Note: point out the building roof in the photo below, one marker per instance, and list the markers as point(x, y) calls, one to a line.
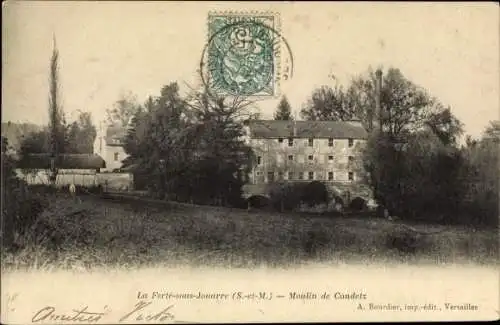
point(66, 161)
point(115, 134)
point(307, 129)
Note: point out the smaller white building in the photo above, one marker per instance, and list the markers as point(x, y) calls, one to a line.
point(109, 145)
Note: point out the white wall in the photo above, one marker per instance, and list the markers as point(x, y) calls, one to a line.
point(109, 156)
point(64, 177)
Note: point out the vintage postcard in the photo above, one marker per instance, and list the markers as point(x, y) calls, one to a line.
point(224, 162)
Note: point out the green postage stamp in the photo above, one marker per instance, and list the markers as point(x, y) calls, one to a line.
point(243, 54)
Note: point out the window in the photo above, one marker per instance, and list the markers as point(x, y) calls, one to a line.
point(116, 156)
point(280, 175)
point(259, 160)
point(270, 176)
point(351, 142)
point(330, 176)
point(259, 173)
point(311, 175)
point(280, 140)
point(290, 175)
point(350, 159)
point(351, 176)
point(330, 158)
point(310, 157)
point(330, 142)
point(290, 142)
point(310, 142)
point(290, 157)
point(301, 175)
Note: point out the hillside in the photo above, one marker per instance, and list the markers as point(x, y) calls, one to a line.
point(94, 232)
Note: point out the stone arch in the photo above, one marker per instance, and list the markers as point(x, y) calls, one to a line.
point(258, 201)
point(358, 204)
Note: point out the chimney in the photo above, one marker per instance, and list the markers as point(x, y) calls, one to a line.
point(294, 128)
point(378, 89)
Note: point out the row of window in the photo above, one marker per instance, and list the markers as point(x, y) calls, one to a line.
point(291, 176)
point(310, 158)
point(310, 142)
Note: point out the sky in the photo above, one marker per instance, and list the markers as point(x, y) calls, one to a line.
point(110, 48)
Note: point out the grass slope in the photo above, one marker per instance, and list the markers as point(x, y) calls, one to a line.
point(99, 233)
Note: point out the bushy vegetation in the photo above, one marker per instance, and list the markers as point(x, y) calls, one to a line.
point(288, 196)
point(433, 181)
point(190, 149)
point(20, 207)
point(413, 160)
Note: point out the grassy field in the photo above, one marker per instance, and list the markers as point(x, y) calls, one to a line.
point(98, 233)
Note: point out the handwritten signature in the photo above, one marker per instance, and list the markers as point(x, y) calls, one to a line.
point(139, 315)
point(141, 312)
point(78, 315)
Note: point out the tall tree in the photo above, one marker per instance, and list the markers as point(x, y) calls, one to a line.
point(223, 158)
point(57, 121)
point(154, 136)
point(191, 148)
point(284, 110)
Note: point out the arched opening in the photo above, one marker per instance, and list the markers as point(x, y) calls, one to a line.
point(358, 204)
point(258, 202)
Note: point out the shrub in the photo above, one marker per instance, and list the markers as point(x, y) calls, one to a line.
point(20, 208)
point(407, 242)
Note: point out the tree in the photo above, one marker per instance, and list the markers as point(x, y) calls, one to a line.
point(328, 104)
point(57, 123)
point(221, 153)
point(81, 134)
point(190, 148)
point(405, 107)
point(492, 131)
point(36, 142)
point(123, 109)
point(412, 158)
point(479, 175)
point(446, 126)
point(284, 110)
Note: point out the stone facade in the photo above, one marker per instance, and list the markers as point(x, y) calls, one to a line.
point(306, 151)
point(300, 151)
